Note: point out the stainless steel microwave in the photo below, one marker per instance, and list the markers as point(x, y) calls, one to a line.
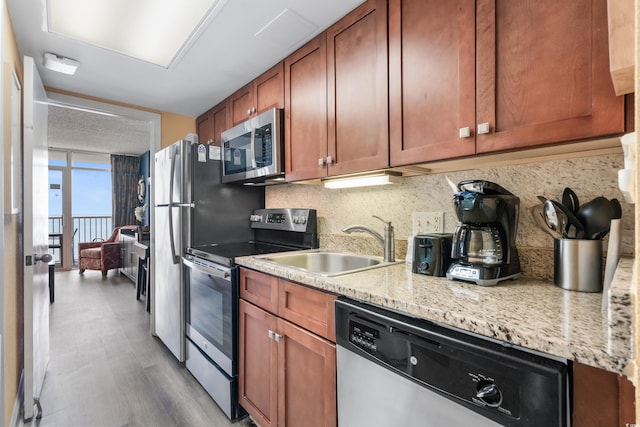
point(253, 151)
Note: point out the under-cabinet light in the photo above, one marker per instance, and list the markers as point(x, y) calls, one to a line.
point(384, 178)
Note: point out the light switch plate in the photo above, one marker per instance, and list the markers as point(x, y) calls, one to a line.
point(428, 222)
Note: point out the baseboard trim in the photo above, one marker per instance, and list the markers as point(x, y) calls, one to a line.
point(16, 416)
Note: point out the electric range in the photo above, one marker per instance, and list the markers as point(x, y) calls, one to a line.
point(212, 287)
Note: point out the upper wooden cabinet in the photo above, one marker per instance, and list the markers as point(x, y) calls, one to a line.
point(621, 45)
point(536, 73)
point(204, 128)
point(543, 73)
point(265, 92)
point(336, 98)
point(211, 124)
point(357, 90)
point(431, 79)
point(305, 111)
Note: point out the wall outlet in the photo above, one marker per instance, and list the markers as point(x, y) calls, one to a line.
point(428, 222)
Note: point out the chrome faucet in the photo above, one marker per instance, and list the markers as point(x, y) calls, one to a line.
point(387, 242)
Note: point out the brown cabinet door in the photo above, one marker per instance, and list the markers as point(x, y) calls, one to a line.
point(306, 378)
point(306, 307)
point(358, 126)
point(241, 104)
point(219, 122)
point(258, 364)
point(260, 289)
point(305, 88)
point(601, 398)
point(269, 89)
point(431, 79)
point(543, 73)
point(204, 128)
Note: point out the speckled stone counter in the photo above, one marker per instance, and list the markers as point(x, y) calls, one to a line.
point(533, 314)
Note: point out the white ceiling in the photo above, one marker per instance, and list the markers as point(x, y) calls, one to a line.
point(228, 53)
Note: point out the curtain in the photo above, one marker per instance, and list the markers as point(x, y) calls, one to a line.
point(124, 180)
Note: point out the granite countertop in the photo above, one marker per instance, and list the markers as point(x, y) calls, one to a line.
point(533, 314)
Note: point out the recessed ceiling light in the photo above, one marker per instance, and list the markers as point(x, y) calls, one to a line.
point(150, 30)
point(60, 63)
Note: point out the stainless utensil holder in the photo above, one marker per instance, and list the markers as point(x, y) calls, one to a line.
point(577, 264)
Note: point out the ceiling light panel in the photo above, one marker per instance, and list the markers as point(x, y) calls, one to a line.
point(151, 30)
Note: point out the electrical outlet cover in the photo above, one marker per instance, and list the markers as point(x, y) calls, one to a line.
point(428, 222)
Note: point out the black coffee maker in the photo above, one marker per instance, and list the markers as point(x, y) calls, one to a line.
point(484, 245)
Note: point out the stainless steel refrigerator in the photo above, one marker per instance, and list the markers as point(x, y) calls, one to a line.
point(192, 208)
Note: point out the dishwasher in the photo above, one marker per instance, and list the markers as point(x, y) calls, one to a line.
point(397, 370)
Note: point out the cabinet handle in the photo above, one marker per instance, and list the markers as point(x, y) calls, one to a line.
point(320, 162)
point(253, 110)
point(329, 160)
point(249, 112)
point(277, 337)
point(465, 132)
point(483, 128)
point(271, 334)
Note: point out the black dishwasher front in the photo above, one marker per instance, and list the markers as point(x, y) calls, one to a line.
point(396, 369)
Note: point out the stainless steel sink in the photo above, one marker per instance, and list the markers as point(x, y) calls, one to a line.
point(327, 263)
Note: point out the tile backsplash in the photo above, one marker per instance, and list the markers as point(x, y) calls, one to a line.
point(589, 177)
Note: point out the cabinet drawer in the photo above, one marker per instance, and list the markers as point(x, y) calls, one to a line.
point(308, 308)
point(260, 289)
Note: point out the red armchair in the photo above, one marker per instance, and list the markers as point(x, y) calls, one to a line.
point(102, 255)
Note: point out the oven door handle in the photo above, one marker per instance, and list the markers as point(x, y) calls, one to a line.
point(207, 270)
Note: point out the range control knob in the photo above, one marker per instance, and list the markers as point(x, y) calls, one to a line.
point(489, 393)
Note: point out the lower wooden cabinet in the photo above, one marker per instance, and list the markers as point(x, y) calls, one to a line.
point(601, 398)
point(287, 374)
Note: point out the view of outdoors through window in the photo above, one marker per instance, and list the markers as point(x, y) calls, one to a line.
point(88, 206)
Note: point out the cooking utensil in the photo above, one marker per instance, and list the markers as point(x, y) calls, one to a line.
point(537, 212)
point(572, 227)
point(596, 217)
point(570, 200)
point(556, 222)
point(542, 199)
point(616, 208)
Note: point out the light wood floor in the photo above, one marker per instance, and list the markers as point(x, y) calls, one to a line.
point(107, 370)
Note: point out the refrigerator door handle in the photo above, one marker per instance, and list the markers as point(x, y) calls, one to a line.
point(176, 259)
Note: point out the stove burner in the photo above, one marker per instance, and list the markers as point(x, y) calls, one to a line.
point(225, 253)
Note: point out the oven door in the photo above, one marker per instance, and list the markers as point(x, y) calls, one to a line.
point(212, 310)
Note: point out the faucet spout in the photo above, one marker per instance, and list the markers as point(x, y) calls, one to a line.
point(363, 229)
point(387, 241)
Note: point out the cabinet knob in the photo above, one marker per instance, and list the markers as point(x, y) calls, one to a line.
point(277, 337)
point(271, 334)
point(321, 162)
point(465, 132)
point(253, 110)
point(249, 112)
point(483, 128)
point(329, 160)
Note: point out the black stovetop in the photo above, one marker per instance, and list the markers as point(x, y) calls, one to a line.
point(225, 253)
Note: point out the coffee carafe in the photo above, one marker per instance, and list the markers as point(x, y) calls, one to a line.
point(484, 245)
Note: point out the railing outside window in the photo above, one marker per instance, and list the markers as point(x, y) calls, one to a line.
point(85, 229)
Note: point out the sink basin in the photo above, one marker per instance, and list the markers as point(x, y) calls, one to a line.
point(327, 263)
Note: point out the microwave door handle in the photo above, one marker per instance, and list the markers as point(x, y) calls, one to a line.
point(212, 271)
point(254, 165)
point(175, 259)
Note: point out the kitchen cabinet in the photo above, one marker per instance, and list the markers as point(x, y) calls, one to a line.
point(601, 398)
point(541, 77)
point(305, 112)
point(431, 79)
point(211, 124)
point(357, 90)
point(287, 372)
point(265, 92)
point(621, 45)
point(336, 112)
point(204, 128)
